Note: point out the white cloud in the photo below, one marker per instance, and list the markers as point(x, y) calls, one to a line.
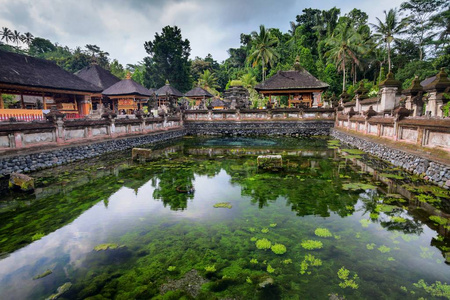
point(122, 27)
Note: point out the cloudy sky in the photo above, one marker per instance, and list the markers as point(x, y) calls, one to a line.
point(121, 27)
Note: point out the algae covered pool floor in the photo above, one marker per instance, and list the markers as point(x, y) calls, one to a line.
point(115, 229)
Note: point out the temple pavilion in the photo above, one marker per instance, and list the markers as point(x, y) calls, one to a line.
point(167, 94)
point(24, 75)
point(99, 77)
point(198, 94)
point(301, 88)
point(127, 95)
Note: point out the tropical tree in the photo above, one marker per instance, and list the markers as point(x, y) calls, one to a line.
point(7, 35)
point(420, 21)
point(346, 46)
point(263, 49)
point(16, 37)
point(389, 30)
point(208, 80)
point(27, 38)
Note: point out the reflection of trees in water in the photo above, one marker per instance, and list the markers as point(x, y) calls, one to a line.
point(166, 185)
point(311, 188)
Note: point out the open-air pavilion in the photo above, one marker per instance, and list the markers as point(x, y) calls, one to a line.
point(127, 95)
point(301, 88)
point(24, 75)
point(198, 94)
point(167, 94)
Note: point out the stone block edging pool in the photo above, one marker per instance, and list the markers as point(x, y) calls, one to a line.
point(436, 172)
point(51, 158)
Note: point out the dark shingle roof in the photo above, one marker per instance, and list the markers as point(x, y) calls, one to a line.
point(97, 76)
point(168, 90)
point(287, 80)
point(217, 103)
point(25, 70)
point(198, 92)
point(427, 81)
point(127, 87)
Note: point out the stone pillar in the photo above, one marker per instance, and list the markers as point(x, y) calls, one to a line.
point(435, 90)
point(388, 89)
point(60, 134)
point(434, 104)
point(18, 140)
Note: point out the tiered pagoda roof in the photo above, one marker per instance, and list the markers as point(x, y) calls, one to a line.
point(168, 90)
point(127, 87)
point(198, 92)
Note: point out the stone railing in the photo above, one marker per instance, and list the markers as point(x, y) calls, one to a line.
point(422, 131)
point(259, 114)
point(57, 131)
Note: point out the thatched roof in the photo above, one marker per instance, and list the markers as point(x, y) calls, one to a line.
point(18, 69)
point(369, 101)
point(168, 90)
point(198, 92)
point(127, 87)
point(291, 80)
point(97, 76)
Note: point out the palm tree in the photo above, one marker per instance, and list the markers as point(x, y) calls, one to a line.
point(7, 35)
point(208, 80)
point(27, 38)
point(389, 29)
point(248, 80)
point(16, 37)
point(346, 46)
point(263, 49)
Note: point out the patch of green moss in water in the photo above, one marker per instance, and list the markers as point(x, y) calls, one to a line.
point(167, 234)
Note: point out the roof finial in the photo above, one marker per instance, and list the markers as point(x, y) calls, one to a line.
point(128, 75)
point(297, 66)
point(167, 82)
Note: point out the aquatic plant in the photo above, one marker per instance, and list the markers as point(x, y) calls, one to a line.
point(344, 274)
point(393, 176)
point(171, 268)
point(273, 225)
point(309, 261)
point(385, 208)
point(398, 219)
point(384, 249)
point(374, 215)
point(279, 249)
point(365, 223)
point(439, 220)
point(265, 230)
point(426, 253)
point(270, 269)
point(311, 244)
point(356, 186)
point(390, 258)
point(210, 269)
point(37, 236)
point(263, 244)
point(101, 247)
point(252, 229)
point(253, 239)
point(253, 261)
point(42, 275)
point(287, 261)
point(337, 237)
point(323, 232)
point(223, 205)
point(436, 289)
point(427, 199)
point(358, 235)
point(370, 246)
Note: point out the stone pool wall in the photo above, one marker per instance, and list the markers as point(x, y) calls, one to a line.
point(47, 159)
point(433, 171)
point(303, 128)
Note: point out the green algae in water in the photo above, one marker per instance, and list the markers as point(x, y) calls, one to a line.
point(263, 244)
point(353, 151)
point(438, 220)
point(322, 232)
point(223, 205)
point(393, 176)
point(44, 274)
point(312, 244)
point(102, 247)
point(384, 249)
point(344, 275)
point(437, 289)
point(356, 186)
point(278, 249)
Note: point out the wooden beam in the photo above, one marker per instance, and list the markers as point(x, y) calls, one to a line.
point(22, 102)
point(2, 104)
point(24, 89)
point(282, 92)
point(44, 103)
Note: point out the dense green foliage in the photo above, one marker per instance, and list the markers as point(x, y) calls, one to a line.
point(338, 48)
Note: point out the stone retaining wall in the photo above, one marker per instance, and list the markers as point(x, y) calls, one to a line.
point(433, 171)
point(303, 128)
point(48, 159)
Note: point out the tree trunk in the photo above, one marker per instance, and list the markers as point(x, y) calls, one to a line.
point(389, 56)
point(343, 79)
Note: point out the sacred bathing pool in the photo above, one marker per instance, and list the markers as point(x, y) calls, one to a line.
point(323, 198)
